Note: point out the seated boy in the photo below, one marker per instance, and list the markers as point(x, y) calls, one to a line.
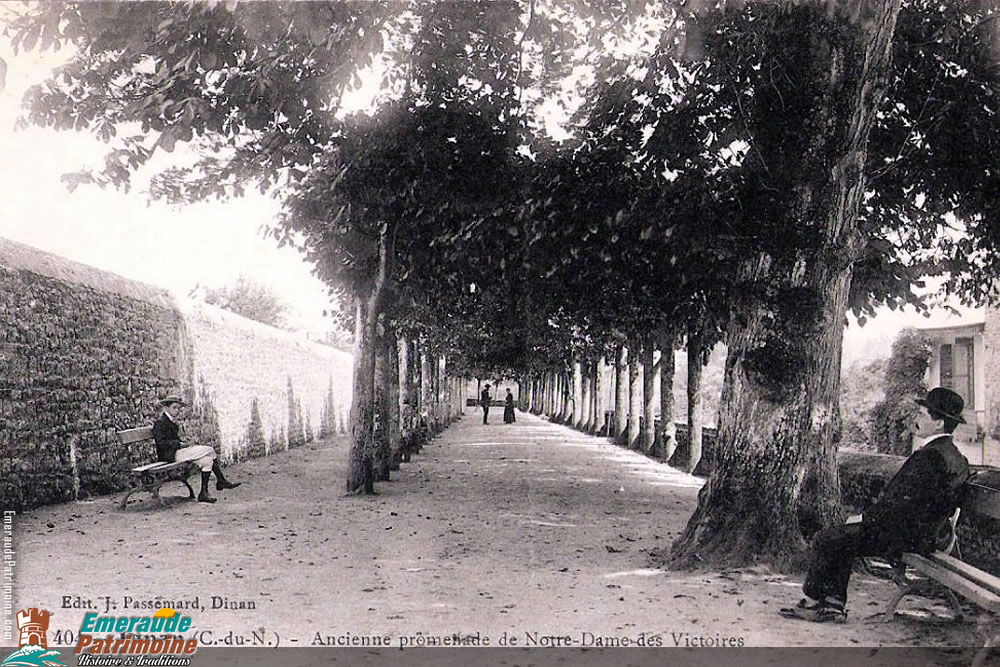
point(172, 449)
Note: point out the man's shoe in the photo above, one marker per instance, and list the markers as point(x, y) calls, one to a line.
point(224, 484)
point(205, 498)
point(817, 612)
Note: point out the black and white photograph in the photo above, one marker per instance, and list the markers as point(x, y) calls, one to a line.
point(497, 332)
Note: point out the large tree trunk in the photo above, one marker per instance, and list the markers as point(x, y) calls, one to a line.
point(621, 396)
point(667, 435)
point(650, 378)
point(780, 418)
point(695, 418)
point(634, 395)
point(586, 399)
point(360, 471)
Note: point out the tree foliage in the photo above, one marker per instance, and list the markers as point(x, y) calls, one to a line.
point(251, 300)
point(695, 194)
point(892, 418)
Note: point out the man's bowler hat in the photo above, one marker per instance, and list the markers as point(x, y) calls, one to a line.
point(172, 399)
point(943, 401)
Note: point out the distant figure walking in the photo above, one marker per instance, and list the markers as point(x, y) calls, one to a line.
point(171, 448)
point(484, 400)
point(508, 408)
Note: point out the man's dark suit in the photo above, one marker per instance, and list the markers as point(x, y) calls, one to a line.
point(484, 400)
point(920, 496)
point(166, 434)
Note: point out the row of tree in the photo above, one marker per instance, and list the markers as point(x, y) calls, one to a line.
point(742, 172)
point(636, 419)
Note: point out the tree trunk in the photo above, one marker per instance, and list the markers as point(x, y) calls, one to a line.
point(406, 405)
point(444, 396)
point(426, 389)
point(695, 418)
point(395, 398)
point(650, 379)
point(576, 409)
point(780, 416)
point(586, 402)
point(599, 396)
point(386, 384)
point(668, 429)
point(569, 398)
point(558, 409)
point(361, 475)
point(360, 471)
point(634, 394)
point(621, 396)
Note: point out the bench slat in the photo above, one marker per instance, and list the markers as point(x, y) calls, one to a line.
point(956, 582)
point(135, 435)
point(984, 579)
point(158, 466)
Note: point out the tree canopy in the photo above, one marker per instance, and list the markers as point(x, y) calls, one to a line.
point(251, 300)
point(718, 178)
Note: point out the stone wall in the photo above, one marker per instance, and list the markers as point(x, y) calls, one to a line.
point(238, 363)
point(84, 353)
point(991, 373)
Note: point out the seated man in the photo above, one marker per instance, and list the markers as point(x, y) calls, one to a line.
point(172, 449)
point(905, 518)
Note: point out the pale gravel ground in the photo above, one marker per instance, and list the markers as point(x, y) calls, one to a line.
point(528, 528)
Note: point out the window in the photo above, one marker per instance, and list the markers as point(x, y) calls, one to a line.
point(957, 364)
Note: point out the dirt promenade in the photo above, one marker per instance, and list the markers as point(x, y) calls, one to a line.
point(530, 530)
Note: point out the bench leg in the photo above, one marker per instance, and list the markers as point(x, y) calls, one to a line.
point(956, 606)
point(156, 494)
point(890, 609)
point(918, 587)
point(191, 494)
point(125, 499)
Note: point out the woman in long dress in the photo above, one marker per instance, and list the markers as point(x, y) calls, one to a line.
point(508, 408)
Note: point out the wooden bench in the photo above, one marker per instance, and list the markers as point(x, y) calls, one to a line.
point(152, 476)
point(941, 568)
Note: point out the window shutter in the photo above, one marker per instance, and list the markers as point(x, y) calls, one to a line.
point(947, 367)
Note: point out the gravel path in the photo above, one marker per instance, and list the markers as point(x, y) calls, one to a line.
point(531, 531)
